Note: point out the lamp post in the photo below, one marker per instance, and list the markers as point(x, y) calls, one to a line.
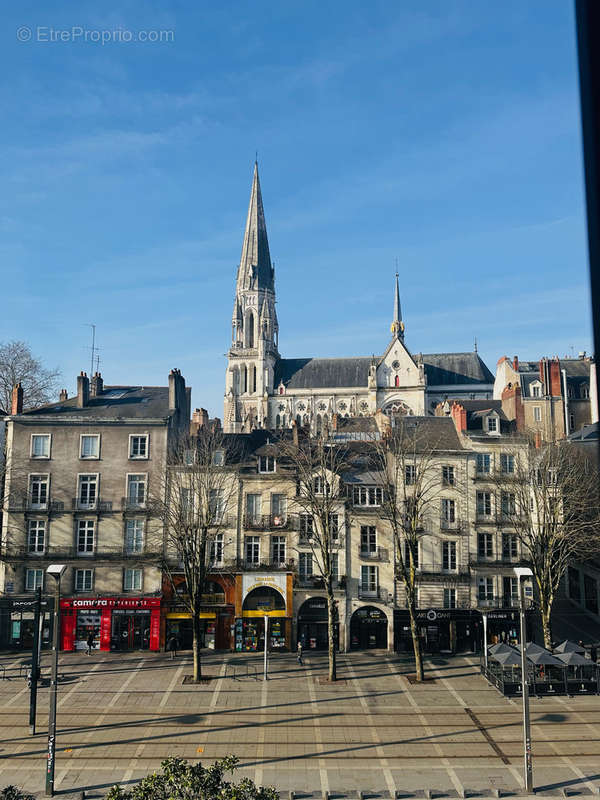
point(525, 572)
point(57, 571)
point(265, 674)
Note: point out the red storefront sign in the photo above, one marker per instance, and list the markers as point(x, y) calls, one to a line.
point(80, 615)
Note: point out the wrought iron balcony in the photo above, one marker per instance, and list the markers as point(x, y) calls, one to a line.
point(375, 554)
point(270, 522)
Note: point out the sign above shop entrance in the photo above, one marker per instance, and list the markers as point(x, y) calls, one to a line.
point(275, 581)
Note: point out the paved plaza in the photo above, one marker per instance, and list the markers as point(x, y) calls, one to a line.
point(119, 715)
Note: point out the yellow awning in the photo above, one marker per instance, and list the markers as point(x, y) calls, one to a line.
point(277, 613)
point(201, 615)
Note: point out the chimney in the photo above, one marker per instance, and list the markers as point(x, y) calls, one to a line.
point(295, 432)
point(334, 422)
point(459, 416)
point(17, 399)
point(64, 395)
point(178, 396)
point(200, 417)
point(83, 390)
point(538, 440)
point(516, 363)
point(555, 381)
point(97, 385)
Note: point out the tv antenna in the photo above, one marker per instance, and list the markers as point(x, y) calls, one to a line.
point(93, 348)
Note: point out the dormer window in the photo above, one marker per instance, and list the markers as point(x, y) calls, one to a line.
point(266, 463)
point(536, 389)
point(218, 458)
point(585, 391)
point(492, 425)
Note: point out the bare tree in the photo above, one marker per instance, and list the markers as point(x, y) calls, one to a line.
point(410, 461)
point(549, 497)
point(191, 502)
point(19, 365)
point(321, 495)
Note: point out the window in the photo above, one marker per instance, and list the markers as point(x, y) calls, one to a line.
point(266, 464)
point(574, 584)
point(367, 495)
point(484, 504)
point(369, 579)
point(410, 474)
point(84, 580)
point(253, 507)
point(507, 463)
point(278, 549)
point(253, 549)
point(89, 446)
point(508, 505)
point(334, 527)
point(320, 486)
point(136, 490)
point(335, 570)
point(415, 554)
point(40, 445)
point(536, 390)
point(88, 491)
point(38, 491)
point(218, 458)
point(216, 504)
point(36, 538)
point(485, 545)
point(138, 446)
point(448, 476)
point(537, 413)
point(216, 549)
point(134, 535)
point(278, 509)
point(34, 579)
point(492, 424)
point(305, 565)
point(485, 589)
point(449, 556)
point(448, 511)
point(483, 463)
point(449, 598)
point(368, 539)
point(85, 537)
point(509, 546)
point(585, 391)
point(571, 422)
point(189, 457)
point(306, 525)
point(132, 580)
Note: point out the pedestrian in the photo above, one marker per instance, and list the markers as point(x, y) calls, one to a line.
point(300, 653)
point(594, 653)
point(90, 643)
point(172, 645)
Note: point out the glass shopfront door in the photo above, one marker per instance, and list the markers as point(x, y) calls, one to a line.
point(130, 631)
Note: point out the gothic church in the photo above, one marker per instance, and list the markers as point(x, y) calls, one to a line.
point(264, 390)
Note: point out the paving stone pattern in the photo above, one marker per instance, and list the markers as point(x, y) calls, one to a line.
point(119, 715)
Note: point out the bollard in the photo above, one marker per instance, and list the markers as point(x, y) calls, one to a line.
point(325, 795)
point(565, 792)
point(292, 795)
point(428, 794)
point(461, 791)
point(497, 792)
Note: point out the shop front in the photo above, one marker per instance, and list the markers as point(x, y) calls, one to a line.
point(503, 626)
point(368, 629)
point(117, 623)
point(216, 615)
point(313, 629)
point(257, 597)
point(441, 630)
point(17, 622)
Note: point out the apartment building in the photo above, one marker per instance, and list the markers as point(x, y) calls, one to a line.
point(78, 474)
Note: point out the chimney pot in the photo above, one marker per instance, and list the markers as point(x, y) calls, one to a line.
point(17, 399)
point(97, 385)
point(64, 395)
point(83, 390)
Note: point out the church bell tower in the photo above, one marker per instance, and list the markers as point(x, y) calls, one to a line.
point(254, 329)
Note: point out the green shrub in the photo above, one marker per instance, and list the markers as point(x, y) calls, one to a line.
point(14, 793)
point(180, 780)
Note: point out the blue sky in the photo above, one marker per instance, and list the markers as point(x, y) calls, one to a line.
point(444, 134)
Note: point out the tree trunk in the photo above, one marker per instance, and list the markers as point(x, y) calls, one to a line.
point(331, 620)
point(545, 609)
point(196, 647)
point(414, 631)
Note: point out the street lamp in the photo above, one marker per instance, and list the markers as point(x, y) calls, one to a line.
point(525, 572)
point(57, 571)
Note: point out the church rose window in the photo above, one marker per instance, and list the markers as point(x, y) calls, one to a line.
point(342, 406)
point(322, 407)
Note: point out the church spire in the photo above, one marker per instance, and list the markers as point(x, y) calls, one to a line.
point(256, 271)
point(397, 326)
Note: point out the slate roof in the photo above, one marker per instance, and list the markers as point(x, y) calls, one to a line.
point(437, 433)
point(588, 434)
point(455, 369)
point(322, 373)
point(115, 402)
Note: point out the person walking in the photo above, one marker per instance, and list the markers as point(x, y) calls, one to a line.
point(594, 653)
point(172, 645)
point(300, 653)
point(90, 643)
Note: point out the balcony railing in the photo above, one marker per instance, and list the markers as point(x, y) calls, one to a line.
point(450, 524)
point(270, 522)
point(376, 554)
point(310, 582)
point(70, 553)
point(509, 601)
point(131, 504)
point(379, 593)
